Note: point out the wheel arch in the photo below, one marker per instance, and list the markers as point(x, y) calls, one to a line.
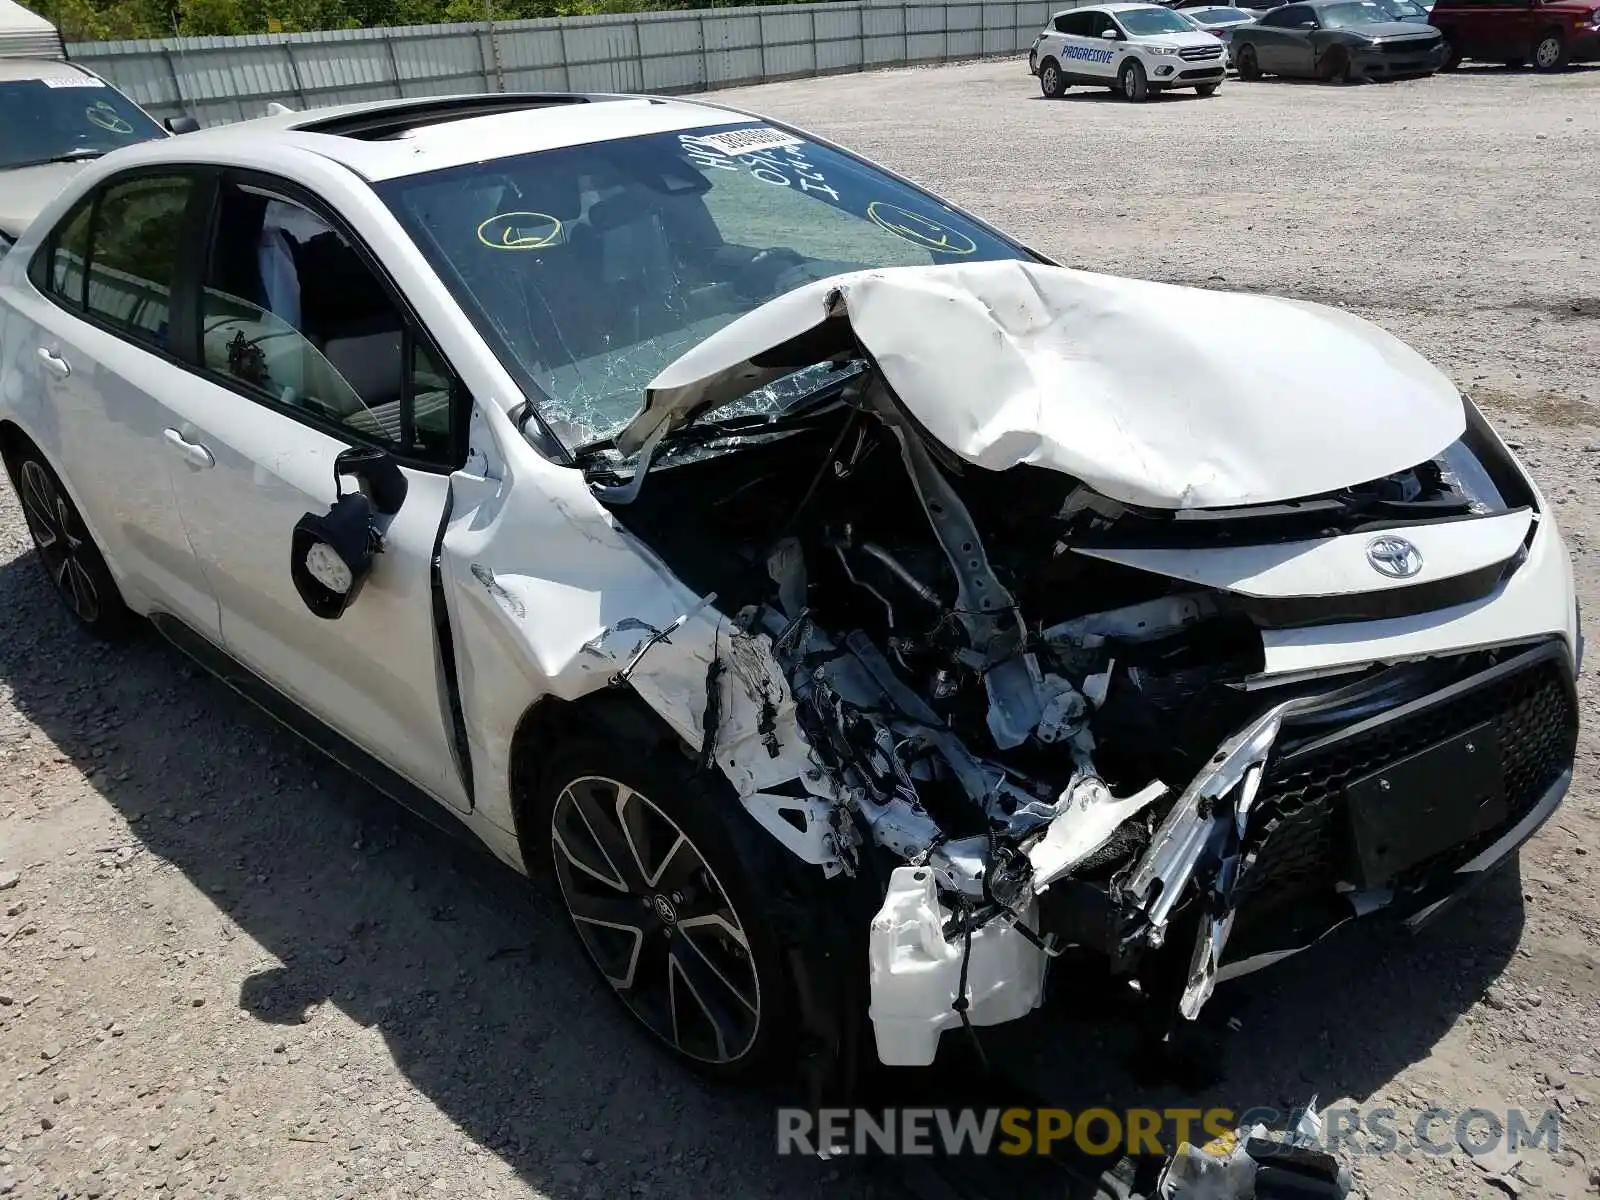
point(550, 723)
point(14, 440)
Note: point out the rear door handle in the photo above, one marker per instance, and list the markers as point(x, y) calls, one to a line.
point(193, 453)
point(54, 363)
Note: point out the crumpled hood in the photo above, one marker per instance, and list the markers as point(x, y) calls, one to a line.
point(26, 190)
point(1152, 394)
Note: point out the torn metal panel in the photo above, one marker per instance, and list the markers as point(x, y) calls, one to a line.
point(1252, 399)
point(1089, 816)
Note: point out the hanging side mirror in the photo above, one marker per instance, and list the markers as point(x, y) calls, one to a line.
point(331, 554)
point(182, 125)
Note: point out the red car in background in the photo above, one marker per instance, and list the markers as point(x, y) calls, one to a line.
point(1548, 34)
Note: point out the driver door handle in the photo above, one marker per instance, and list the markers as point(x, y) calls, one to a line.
point(54, 363)
point(193, 453)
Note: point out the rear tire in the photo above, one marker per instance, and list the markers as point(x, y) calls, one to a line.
point(649, 859)
point(71, 560)
point(1132, 82)
point(1249, 67)
point(1052, 79)
point(1550, 51)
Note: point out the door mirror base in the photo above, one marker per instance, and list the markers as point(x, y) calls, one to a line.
point(330, 554)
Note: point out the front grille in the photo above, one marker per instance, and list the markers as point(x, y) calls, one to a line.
point(1200, 53)
point(1410, 46)
point(1210, 73)
point(1301, 844)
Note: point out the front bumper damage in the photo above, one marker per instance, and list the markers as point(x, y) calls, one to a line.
point(1257, 829)
point(883, 709)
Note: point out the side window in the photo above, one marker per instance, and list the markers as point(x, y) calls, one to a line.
point(133, 255)
point(292, 313)
point(1059, 24)
point(1077, 24)
point(58, 267)
point(1284, 18)
point(1098, 23)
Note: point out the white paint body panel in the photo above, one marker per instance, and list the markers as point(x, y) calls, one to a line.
point(1333, 566)
point(1536, 601)
point(1155, 395)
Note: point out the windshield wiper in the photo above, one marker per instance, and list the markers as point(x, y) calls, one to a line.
point(82, 154)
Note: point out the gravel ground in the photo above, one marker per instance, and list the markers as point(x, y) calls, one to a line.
point(227, 969)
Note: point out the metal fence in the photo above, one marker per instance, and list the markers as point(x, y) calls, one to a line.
point(219, 79)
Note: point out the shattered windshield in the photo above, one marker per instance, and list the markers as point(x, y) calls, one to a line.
point(590, 268)
point(67, 117)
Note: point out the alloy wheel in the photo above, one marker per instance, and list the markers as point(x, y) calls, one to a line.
point(60, 545)
point(1547, 53)
point(656, 921)
point(1051, 80)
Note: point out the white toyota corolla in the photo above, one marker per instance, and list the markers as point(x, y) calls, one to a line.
point(847, 607)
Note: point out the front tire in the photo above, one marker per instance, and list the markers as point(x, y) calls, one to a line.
point(1550, 51)
point(1249, 66)
point(1052, 80)
point(1452, 54)
point(1206, 90)
point(1132, 82)
point(71, 560)
point(648, 864)
point(1336, 66)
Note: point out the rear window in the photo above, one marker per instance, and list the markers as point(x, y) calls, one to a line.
point(60, 120)
point(1223, 16)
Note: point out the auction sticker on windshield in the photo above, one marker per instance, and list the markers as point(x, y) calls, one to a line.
point(74, 81)
point(734, 142)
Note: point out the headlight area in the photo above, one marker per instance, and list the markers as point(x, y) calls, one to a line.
point(1487, 470)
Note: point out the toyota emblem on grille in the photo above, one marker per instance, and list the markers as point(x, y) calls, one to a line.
point(1394, 557)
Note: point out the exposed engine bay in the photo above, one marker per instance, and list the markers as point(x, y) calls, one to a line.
point(1036, 712)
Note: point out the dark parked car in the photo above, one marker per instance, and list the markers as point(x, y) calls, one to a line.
point(1336, 40)
point(1548, 34)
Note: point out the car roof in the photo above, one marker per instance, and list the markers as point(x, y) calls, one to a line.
point(393, 139)
point(21, 70)
point(1107, 8)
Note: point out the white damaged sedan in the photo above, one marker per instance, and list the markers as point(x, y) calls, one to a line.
point(846, 608)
